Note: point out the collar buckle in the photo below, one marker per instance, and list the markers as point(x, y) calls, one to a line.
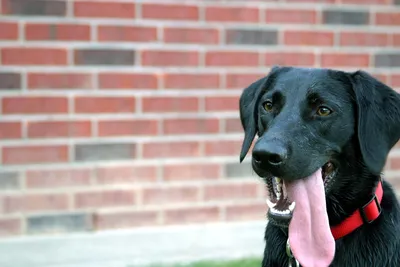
point(364, 214)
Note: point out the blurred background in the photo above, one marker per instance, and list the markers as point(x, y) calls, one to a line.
point(123, 115)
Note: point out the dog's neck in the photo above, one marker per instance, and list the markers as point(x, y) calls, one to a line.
point(363, 215)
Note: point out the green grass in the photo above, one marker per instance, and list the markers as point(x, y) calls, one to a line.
point(235, 263)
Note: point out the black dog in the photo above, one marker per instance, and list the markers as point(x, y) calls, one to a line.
point(326, 134)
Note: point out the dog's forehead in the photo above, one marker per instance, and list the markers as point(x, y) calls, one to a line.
point(304, 82)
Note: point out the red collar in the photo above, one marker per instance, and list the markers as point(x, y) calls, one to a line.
point(365, 215)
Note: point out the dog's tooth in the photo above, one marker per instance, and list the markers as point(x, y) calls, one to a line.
point(281, 212)
point(276, 211)
point(270, 204)
point(292, 206)
point(278, 182)
point(278, 186)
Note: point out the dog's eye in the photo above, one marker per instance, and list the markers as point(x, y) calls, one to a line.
point(323, 111)
point(268, 105)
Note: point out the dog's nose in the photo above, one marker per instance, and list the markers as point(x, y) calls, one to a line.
point(272, 153)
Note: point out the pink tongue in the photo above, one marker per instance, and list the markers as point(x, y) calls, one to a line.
point(310, 236)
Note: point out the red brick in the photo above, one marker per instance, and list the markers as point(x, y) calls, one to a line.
point(231, 191)
point(32, 203)
point(104, 104)
point(109, 80)
point(298, 16)
point(127, 127)
point(170, 104)
point(230, 14)
point(381, 77)
point(34, 105)
point(109, 198)
point(104, 9)
point(366, 2)
point(221, 103)
point(396, 39)
point(191, 172)
point(126, 174)
point(314, 38)
point(59, 81)
point(171, 149)
point(33, 56)
point(246, 212)
point(395, 163)
point(170, 11)
point(311, 1)
point(191, 35)
point(118, 220)
point(58, 178)
point(170, 195)
point(10, 226)
point(387, 18)
point(191, 215)
point(127, 33)
point(9, 31)
point(191, 126)
point(288, 58)
point(222, 148)
point(10, 130)
point(387, 166)
point(232, 59)
point(191, 81)
point(59, 32)
point(48, 129)
point(239, 80)
point(395, 80)
point(170, 58)
point(35, 154)
point(364, 39)
point(344, 60)
point(233, 126)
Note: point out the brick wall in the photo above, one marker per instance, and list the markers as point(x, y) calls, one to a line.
point(122, 114)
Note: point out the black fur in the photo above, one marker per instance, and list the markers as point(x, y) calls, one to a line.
point(357, 137)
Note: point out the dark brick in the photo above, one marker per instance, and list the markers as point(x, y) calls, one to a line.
point(59, 223)
point(104, 57)
point(237, 170)
point(104, 151)
point(345, 17)
point(9, 180)
point(34, 7)
point(10, 80)
point(387, 60)
point(257, 37)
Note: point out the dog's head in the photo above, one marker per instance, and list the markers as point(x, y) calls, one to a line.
point(334, 125)
point(303, 117)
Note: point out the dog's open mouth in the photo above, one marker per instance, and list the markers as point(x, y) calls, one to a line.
point(281, 206)
point(300, 207)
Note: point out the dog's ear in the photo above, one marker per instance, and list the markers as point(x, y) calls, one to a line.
point(248, 111)
point(378, 108)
